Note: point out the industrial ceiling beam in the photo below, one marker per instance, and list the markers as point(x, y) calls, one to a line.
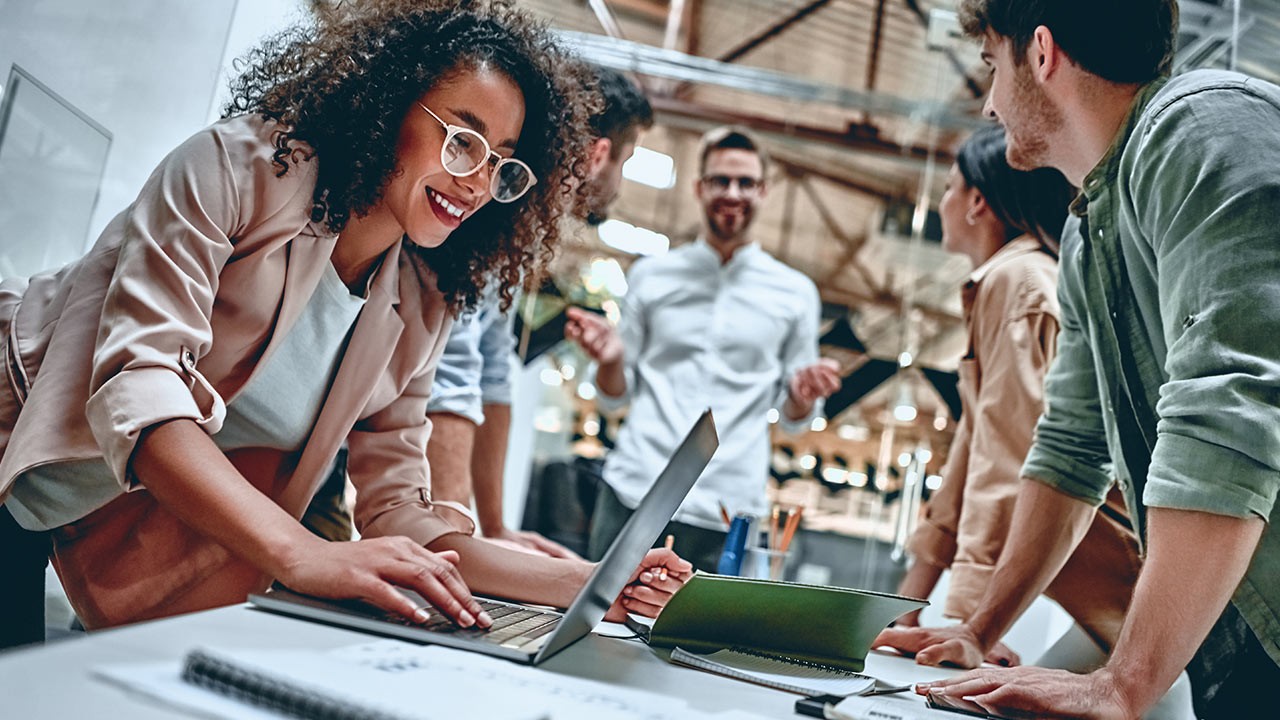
point(648, 60)
point(840, 295)
point(675, 17)
point(649, 10)
point(692, 26)
point(873, 55)
point(852, 245)
point(859, 138)
point(971, 84)
point(607, 21)
point(773, 30)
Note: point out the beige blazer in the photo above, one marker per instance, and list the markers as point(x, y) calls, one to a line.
point(1011, 313)
point(169, 315)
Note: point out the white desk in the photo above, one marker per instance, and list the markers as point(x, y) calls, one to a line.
point(55, 681)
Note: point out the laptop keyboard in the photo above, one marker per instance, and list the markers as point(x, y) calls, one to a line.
point(512, 625)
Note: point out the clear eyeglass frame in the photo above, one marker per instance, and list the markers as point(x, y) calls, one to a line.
point(509, 178)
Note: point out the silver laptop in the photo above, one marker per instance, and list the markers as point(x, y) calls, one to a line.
point(524, 633)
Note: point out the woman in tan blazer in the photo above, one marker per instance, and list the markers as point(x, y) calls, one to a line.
point(285, 282)
point(1008, 223)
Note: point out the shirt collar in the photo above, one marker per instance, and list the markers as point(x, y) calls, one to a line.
point(1013, 248)
point(1108, 168)
point(741, 256)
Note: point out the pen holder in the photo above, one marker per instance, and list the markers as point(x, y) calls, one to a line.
point(765, 564)
point(735, 544)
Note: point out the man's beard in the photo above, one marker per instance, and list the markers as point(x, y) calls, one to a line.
point(595, 206)
point(1037, 119)
point(732, 230)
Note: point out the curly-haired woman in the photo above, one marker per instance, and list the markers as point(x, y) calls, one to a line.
point(285, 282)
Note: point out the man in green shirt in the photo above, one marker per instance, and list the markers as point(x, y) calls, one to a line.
point(1168, 370)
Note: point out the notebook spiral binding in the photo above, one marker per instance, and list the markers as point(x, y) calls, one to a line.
point(799, 661)
point(255, 688)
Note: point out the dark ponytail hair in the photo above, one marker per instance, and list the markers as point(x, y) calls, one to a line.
point(1028, 203)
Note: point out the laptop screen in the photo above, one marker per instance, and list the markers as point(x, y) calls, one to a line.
point(637, 536)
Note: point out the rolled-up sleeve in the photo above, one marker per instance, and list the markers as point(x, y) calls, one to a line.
point(387, 463)
point(456, 388)
point(934, 540)
point(798, 352)
point(497, 345)
point(1070, 450)
point(156, 316)
point(1216, 239)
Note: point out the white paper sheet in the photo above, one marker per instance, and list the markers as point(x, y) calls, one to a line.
point(430, 682)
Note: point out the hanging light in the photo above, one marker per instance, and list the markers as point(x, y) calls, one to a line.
point(904, 410)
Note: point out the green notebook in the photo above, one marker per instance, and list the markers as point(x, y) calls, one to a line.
point(826, 626)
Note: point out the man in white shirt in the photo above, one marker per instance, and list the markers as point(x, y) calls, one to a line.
point(716, 323)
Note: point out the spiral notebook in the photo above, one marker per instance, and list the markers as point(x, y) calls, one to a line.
point(790, 674)
point(282, 692)
point(388, 680)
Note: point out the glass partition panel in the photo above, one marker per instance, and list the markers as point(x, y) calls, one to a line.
point(51, 161)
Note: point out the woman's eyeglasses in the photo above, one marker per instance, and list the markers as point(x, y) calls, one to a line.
point(465, 151)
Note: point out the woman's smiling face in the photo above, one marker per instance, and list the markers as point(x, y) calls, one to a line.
point(424, 198)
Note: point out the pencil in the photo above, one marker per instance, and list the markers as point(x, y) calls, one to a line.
point(669, 543)
point(724, 515)
point(793, 523)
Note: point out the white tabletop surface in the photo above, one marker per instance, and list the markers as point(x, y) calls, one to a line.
point(55, 681)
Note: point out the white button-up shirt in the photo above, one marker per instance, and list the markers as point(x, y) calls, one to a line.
point(702, 334)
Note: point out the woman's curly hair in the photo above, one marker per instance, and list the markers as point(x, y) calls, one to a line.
point(342, 87)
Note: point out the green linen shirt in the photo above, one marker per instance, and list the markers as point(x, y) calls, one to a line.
point(1167, 377)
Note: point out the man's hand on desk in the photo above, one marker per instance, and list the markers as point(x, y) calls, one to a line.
point(955, 645)
point(1037, 692)
point(659, 576)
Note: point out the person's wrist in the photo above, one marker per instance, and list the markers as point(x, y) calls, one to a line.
point(982, 633)
point(1124, 688)
point(492, 528)
point(286, 556)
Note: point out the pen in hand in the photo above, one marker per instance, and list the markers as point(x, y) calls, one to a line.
point(668, 544)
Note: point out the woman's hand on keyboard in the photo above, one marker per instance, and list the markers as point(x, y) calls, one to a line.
point(659, 576)
point(371, 569)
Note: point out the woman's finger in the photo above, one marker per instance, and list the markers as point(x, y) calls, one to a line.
point(644, 593)
point(385, 596)
point(442, 586)
point(653, 578)
point(640, 607)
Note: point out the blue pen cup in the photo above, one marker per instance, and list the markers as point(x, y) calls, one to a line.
point(735, 545)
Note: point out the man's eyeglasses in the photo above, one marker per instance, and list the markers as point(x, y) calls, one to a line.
point(720, 184)
point(465, 151)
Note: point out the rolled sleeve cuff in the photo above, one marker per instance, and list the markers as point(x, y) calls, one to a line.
point(134, 400)
point(969, 581)
point(1191, 474)
point(417, 521)
point(932, 545)
point(465, 402)
point(496, 394)
point(1072, 477)
point(612, 403)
